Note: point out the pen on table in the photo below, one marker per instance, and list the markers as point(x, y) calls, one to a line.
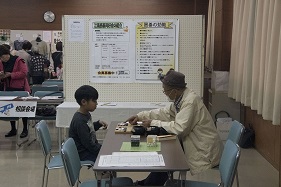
point(157, 104)
point(104, 104)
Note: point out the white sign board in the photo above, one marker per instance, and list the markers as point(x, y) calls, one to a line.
point(18, 108)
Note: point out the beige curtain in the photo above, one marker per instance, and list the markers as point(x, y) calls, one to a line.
point(255, 72)
point(210, 35)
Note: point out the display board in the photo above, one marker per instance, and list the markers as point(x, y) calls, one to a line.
point(50, 37)
point(77, 58)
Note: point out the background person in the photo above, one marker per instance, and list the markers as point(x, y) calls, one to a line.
point(38, 67)
point(187, 117)
point(23, 54)
point(59, 71)
point(13, 72)
point(57, 56)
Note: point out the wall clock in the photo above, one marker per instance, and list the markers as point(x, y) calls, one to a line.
point(49, 16)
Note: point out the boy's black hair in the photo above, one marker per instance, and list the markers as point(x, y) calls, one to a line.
point(86, 92)
point(4, 50)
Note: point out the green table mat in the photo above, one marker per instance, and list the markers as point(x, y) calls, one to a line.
point(126, 146)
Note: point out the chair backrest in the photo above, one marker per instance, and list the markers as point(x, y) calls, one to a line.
point(48, 93)
point(36, 88)
point(44, 137)
point(229, 162)
point(58, 83)
point(71, 161)
point(235, 131)
point(54, 80)
point(14, 93)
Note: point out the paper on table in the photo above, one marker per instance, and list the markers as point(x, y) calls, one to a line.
point(158, 104)
point(30, 98)
point(133, 153)
point(137, 161)
point(108, 104)
point(51, 97)
point(7, 98)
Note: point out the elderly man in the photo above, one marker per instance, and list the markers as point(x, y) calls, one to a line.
point(187, 117)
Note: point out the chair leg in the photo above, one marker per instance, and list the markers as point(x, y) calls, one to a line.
point(17, 140)
point(47, 177)
point(237, 180)
point(34, 140)
point(43, 178)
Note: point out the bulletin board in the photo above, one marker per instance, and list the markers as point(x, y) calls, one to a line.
point(77, 58)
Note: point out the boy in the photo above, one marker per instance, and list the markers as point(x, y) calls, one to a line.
point(82, 128)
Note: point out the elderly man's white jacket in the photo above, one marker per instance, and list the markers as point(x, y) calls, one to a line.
point(195, 128)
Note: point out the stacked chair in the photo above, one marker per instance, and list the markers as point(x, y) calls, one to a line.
point(228, 163)
point(58, 83)
point(227, 168)
point(36, 88)
point(52, 160)
point(69, 159)
point(234, 135)
point(72, 168)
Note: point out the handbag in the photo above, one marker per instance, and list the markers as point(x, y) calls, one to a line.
point(48, 110)
point(247, 139)
point(223, 124)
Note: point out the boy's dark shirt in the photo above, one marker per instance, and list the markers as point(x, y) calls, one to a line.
point(84, 137)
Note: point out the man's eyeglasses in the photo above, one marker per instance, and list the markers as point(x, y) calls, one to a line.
point(165, 91)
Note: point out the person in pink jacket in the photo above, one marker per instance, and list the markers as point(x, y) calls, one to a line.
point(13, 71)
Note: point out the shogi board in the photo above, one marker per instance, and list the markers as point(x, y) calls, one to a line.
point(123, 129)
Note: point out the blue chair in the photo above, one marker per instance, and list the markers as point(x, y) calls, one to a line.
point(50, 161)
point(235, 132)
point(39, 117)
point(36, 88)
point(51, 83)
point(14, 93)
point(18, 94)
point(227, 168)
point(48, 93)
point(234, 135)
point(53, 80)
point(72, 166)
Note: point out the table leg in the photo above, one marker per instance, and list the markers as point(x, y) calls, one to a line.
point(59, 132)
point(183, 175)
point(170, 180)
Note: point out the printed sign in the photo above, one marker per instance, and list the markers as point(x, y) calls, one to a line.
point(18, 108)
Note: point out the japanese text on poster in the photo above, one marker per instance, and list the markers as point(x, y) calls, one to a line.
point(132, 51)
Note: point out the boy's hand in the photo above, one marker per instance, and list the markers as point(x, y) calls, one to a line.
point(104, 124)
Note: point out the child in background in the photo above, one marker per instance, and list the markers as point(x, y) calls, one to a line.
point(82, 128)
point(59, 71)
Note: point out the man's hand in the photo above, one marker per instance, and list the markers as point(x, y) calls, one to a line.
point(2, 75)
point(133, 120)
point(104, 124)
point(146, 123)
point(7, 74)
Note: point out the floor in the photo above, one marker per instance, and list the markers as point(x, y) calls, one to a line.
point(23, 166)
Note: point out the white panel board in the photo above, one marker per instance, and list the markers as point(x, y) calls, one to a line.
point(191, 55)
